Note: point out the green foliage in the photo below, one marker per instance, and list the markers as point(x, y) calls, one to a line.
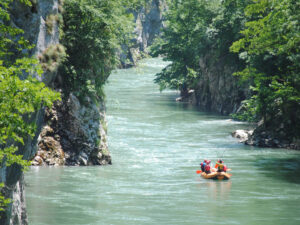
point(263, 37)
point(195, 28)
point(52, 57)
point(20, 93)
point(61, 6)
point(53, 19)
point(3, 201)
point(270, 47)
point(50, 20)
point(93, 32)
point(18, 100)
point(247, 112)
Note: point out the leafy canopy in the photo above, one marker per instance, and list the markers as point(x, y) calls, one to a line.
point(270, 46)
point(195, 28)
point(93, 33)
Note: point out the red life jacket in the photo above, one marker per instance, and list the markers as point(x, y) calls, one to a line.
point(207, 168)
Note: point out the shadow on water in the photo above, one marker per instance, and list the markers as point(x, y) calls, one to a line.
point(281, 168)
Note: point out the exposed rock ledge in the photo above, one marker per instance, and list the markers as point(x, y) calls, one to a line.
point(261, 138)
point(74, 134)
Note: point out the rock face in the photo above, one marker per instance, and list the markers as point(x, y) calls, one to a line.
point(32, 20)
point(217, 90)
point(75, 134)
point(267, 138)
point(149, 21)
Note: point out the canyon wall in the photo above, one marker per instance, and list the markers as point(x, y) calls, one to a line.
point(149, 21)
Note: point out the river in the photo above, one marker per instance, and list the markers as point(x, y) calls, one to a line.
point(156, 146)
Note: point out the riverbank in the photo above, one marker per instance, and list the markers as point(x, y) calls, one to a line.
point(262, 138)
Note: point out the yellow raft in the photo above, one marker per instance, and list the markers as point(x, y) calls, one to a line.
point(216, 175)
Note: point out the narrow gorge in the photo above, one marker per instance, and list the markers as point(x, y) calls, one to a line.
point(148, 88)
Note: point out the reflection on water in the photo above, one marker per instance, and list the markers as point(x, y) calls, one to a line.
point(217, 190)
point(156, 146)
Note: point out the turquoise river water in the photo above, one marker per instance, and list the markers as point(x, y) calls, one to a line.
point(156, 146)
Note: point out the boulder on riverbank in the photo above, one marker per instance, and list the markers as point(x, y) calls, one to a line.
point(242, 135)
point(263, 138)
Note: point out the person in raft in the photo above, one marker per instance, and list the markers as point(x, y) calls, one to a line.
point(220, 166)
point(203, 164)
point(207, 167)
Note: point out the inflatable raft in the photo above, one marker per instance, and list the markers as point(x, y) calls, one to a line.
point(216, 175)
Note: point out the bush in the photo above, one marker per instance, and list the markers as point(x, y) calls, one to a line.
point(52, 57)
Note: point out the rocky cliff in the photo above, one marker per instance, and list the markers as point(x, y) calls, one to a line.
point(74, 134)
point(148, 21)
point(33, 21)
point(217, 90)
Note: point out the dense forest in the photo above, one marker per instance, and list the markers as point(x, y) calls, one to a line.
point(260, 38)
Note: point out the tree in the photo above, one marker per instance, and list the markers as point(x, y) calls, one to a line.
point(270, 47)
point(20, 93)
point(195, 28)
point(93, 32)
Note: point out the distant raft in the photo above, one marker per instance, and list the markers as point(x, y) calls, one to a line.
point(216, 175)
